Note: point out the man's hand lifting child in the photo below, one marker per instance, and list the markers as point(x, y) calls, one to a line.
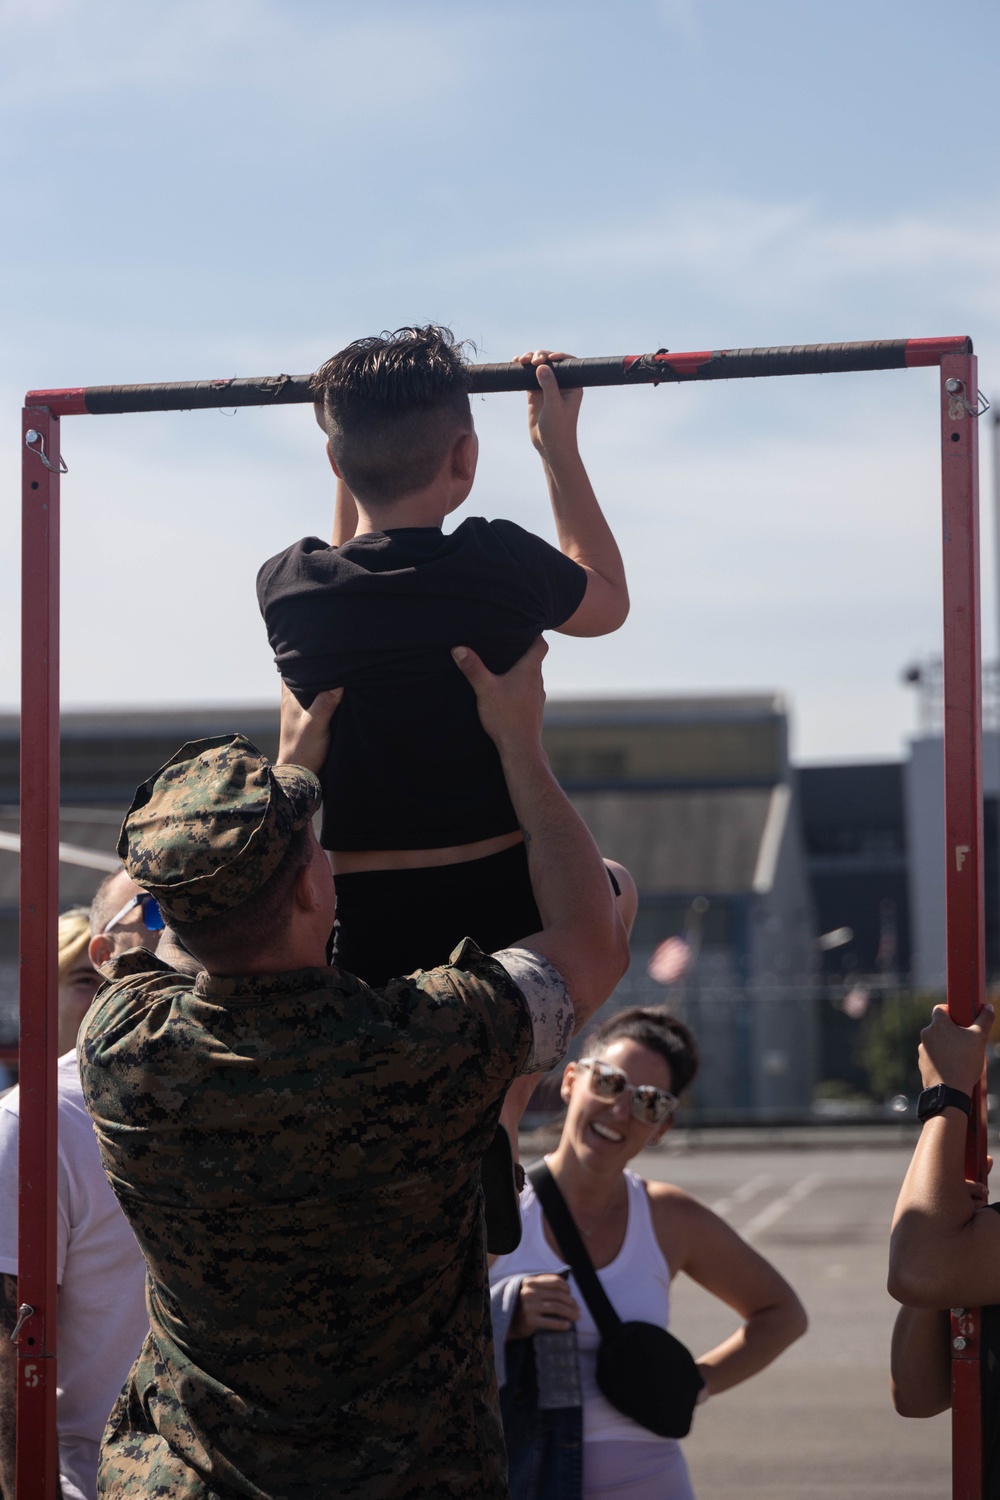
point(305, 732)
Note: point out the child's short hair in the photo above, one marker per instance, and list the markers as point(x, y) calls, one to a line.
point(392, 406)
point(654, 1027)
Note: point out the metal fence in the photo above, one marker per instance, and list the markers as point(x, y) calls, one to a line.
point(796, 1054)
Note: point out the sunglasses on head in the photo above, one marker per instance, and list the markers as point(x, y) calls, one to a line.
point(152, 916)
point(649, 1105)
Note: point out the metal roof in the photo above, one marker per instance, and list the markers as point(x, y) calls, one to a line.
point(82, 831)
point(723, 841)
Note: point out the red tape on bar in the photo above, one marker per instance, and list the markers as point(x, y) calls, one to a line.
point(681, 364)
point(68, 403)
point(931, 351)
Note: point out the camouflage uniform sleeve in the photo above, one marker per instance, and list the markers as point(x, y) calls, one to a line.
point(548, 1002)
point(125, 978)
point(488, 1010)
point(112, 1034)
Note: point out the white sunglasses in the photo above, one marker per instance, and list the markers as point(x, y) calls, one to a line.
point(152, 917)
point(650, 1105)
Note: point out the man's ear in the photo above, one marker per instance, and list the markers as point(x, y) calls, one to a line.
point(304, 889)
point(308, 891)
point(99, 950)
point(566, 1082)
point(465, 456)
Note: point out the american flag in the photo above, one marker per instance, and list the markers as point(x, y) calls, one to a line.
point(670, 961)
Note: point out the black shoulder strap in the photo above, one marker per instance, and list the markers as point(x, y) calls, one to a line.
point(572, 1246)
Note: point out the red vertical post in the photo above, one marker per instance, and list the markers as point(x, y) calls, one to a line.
point(963, 796)
point(37, 1450)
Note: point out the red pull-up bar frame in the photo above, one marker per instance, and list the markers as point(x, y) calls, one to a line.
point(37, 1460)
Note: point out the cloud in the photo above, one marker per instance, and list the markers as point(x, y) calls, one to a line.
point(315, 61)
point(779, 260)
point(681, 18)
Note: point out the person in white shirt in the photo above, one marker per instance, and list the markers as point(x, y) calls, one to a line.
point(100, 1270)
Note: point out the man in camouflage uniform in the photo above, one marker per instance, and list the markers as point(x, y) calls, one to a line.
point(299, 1155)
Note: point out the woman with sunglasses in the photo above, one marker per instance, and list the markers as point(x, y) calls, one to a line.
point(620, 1100)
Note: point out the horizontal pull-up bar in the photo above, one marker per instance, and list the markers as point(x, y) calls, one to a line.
point(662, 367)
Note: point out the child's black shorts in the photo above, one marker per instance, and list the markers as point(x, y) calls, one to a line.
point(390, 922)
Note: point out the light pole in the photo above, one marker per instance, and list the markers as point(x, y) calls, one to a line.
point(996, 512)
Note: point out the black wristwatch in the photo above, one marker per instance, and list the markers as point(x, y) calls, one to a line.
point(933, 1101)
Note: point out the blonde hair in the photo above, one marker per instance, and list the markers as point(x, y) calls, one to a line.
point(74, 935)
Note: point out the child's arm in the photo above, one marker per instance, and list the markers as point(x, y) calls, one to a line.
point(584, 534)
point(345, 515)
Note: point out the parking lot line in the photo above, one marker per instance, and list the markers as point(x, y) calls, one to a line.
point(778, 1207)
point(750, 1189)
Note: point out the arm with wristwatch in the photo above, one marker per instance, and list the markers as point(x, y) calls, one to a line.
point(944, 1248)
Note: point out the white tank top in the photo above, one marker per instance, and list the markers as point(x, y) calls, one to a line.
point(637, 1283)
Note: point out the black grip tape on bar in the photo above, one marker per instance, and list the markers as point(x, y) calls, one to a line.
point(195, 395)
point(804, 359)
point(645, 369)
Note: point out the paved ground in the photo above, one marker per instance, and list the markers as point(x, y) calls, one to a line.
point(819, 1425)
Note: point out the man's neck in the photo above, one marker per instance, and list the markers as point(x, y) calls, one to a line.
point(424, 508)
point(280, 961)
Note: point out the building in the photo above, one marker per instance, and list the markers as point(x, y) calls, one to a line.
point(925, 822)
point(857, 857)
point(696, 797)
point(924, 790)
point(875, 853)
point(854, 823)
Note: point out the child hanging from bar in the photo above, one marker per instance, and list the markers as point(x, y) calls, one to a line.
point(421, 833)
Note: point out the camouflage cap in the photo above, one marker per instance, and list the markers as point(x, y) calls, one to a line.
point(208, 829)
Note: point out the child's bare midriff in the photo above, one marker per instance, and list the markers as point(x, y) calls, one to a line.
point(354, 861)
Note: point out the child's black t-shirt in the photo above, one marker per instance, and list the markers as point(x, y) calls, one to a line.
point(410, 766)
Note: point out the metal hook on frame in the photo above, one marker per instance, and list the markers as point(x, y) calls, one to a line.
point(956, 390)
point(24, 1312)
point(31, 437)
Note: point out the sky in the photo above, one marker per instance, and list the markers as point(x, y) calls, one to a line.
point(239, 188)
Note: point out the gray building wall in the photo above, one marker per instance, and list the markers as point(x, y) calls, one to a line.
point(697, 799)
point(924, 784)
point(785, 1041)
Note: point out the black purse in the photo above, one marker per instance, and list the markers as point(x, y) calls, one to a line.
point(641, 1369)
